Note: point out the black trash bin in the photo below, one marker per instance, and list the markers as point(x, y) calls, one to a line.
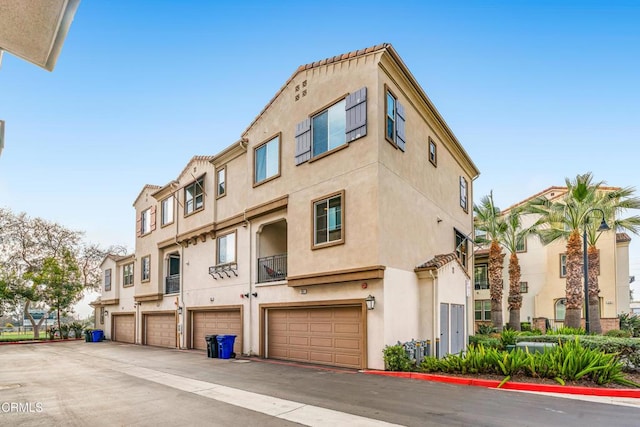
point(212, 345)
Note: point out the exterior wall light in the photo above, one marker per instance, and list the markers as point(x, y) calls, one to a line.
point(179, 310)
point(371, 302)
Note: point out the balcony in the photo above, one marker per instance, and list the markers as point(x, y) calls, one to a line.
point(172, 284)
point(272, 268)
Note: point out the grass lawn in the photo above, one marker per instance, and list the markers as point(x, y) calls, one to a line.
point(17, 336)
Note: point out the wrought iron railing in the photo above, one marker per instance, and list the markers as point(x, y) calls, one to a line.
point(272, 268)
point(172, 284)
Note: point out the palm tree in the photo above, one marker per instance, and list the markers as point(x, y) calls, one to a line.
point(511, 238)
point(613, 204)
point(488, 219)
point(563, 219)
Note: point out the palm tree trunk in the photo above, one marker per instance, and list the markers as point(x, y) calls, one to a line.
point(496, 264)
point(515, 299)
point(594, 290)
point(574, 290)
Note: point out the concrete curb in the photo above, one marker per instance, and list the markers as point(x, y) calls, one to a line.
point(509, 385)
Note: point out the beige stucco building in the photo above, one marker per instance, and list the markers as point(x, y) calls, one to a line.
point(543, 275)
point(348, 184)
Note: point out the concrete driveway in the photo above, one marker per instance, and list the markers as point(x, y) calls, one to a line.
point(78, 384)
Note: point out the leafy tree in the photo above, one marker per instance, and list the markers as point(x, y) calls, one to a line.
point(488, 220)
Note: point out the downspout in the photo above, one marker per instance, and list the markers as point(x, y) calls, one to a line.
point(251, 258)
point(181, 300)
point(434, 293)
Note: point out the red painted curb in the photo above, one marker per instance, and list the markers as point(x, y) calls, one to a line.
point(38, 341)
point(509, 385)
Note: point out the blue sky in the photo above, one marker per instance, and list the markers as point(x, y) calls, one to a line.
point(535, 91)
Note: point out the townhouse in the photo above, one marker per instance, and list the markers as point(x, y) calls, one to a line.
point(543, 276)
point(337, 224)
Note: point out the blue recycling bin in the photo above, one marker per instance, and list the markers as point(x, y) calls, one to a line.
point(225, 346)
point(97, 335)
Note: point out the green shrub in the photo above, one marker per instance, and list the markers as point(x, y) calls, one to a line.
point(617, 333)
point(8, 325)
point(565, 330)
point(630, 322)
point(525, 326)
point(484, 341)
point(508, 337)
point(485, 329)
point(396, 358)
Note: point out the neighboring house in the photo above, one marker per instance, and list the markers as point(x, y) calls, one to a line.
point(543, 276)
point(634, 307)
point(348, 184)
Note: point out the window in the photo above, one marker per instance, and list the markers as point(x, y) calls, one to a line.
point(483, 310)
point(563, 265)
point(146, 222)
point(461, 247)
point(481, 277)
point(390, 108)
point(560, 309)
point(433, 152)
point(127, 275)
point(463, 194)
point(172, 281)
point(221, 182)
point(226, 249)
point(521, 245)
point(194, 197)
point(267, 160)
point(524, 287)
point(107, 279)
point(328, 129)
point(328, 217)
point(145, 273)
point(166, 206)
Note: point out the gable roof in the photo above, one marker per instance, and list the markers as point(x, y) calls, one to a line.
point(551, 191)
point(440, 261)
point(622, 237)
point(146, 187)
point(193, 160)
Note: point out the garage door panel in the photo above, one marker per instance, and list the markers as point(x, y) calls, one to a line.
point(216, 322)
point(160, 330)
point(323, 335)
point(124, 328)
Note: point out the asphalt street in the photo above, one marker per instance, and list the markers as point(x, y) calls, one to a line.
point(105, 384)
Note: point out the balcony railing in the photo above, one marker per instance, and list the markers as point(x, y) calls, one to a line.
point(482, 285)
point(272, 268)
point(172, 284)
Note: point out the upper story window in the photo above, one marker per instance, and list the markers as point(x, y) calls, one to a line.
point(194, 196)
point(166, 207)
point(226, 248)
point(524, 287)
point(464, 194)
point(482, 310)
point(328, 128)
point(145, 271)
point(221, 182)
point(146, 221)
point(521, 245)
point(127, 275)
point(461, 247)
point(394, 120)
point(433, 152)
point(563, 265)
point(481, 277)
point(328, 220)
point(267, 160)
point(107, 279)
point(343, 121)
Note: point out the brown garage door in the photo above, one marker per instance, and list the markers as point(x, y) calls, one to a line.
point(124, 328)
point(324, 335)
point(225, 322)
point(160, 330)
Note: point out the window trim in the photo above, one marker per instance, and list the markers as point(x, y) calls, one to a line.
point(142, 278)
point(524, 240)
point(524, 285)
point(486, 269)
point(465, 206)
point(482, 310)
point(235, 255)
point(560, 265)
point(465, 261)
point(224, 193)
point(184, 194)
point(340, 241)
point(132, 275)
point(107, 286)
point(555, 309)
point(255, 151)
point(387, 90)
point(321, 110)
point(142, 222)
point(433, 161)
point(162, 223)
